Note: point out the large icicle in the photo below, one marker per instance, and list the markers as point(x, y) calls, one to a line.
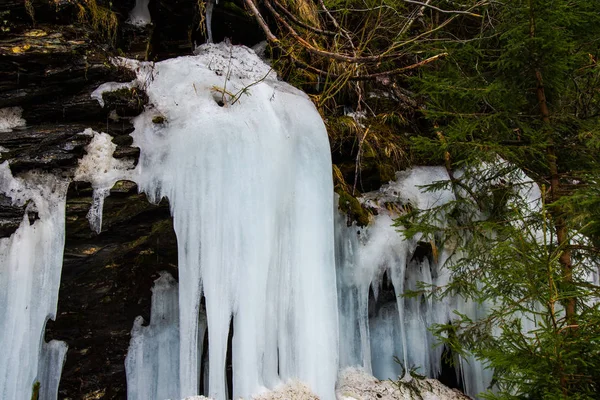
point(153, 357)
point(246, 166)
point(30, 266)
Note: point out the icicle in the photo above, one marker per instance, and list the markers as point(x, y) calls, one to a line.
point(209, 10)
point(94, 215)
point(31, 261)
point(52, 359)
point(372, 343)
point(385, 342)
point(152, 362)
point(102, 170)
point(140, 15)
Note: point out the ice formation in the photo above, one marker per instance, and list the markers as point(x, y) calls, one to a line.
point(376, 323)
point(102, 170)
point(153, 355)
point(245, 163)
point(140, 15)
point(210, 4)
point(31, 261)
point(10, 118)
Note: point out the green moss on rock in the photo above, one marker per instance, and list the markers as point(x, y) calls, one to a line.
point(352, 208)
point(35, 391)
point(158, 119)
point(127, 102)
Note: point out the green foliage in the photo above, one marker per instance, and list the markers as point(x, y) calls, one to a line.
point(35, 391)
point(102, 19)
point(519, 100)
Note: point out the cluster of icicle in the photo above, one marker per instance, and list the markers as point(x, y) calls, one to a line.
point(374, 326)
point(30, 265)
point(31, 261)
point(244, 160)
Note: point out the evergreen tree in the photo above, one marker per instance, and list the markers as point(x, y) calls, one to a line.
point(518, 101)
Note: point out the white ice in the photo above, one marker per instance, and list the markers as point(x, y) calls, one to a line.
point(250, 187)
point(153, 355)
point(140, 15)
point(99, 168)
point(370, 338)
point(30, 267)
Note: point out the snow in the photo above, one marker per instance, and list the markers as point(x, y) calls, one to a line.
point(293, 390)
point(251, 195)
point(140, 15)
point(99, 168)
point(10, 117)
point(355, 384)
point(31, 261)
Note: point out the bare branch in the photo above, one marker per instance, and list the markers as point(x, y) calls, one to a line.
point(300, 23)
point(426, 4)
point(367, 77)
point(259, 18)
point(323, 53)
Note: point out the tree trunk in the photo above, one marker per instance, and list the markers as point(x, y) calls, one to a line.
point(560, 225)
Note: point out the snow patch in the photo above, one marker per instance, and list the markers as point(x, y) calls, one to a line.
point(356, 384)
point(238, 62)
point(110, 87)
point(10, 118)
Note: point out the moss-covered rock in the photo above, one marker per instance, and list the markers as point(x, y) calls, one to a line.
point(127, 102)
point(352, 208)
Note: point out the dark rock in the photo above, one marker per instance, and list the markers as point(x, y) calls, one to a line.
point(44, 147)
point(39, 65)
point(11, 216)
point(106, 283)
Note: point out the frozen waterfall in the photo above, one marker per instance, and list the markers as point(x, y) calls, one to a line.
point(245, 162)
point(375, 266)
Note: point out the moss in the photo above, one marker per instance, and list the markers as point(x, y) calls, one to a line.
point(159, 119)
point(101, 19)
point(127, 102)
point(35, 391)
point(352, 208)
